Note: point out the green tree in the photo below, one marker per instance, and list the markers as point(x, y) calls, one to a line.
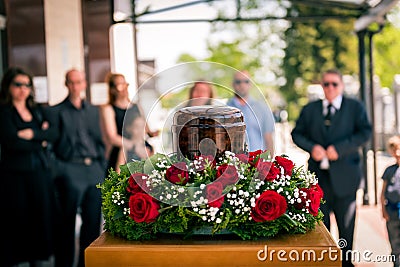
point(313, 46)
point(386, 46)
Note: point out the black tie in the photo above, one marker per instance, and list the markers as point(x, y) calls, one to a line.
point(328, 116)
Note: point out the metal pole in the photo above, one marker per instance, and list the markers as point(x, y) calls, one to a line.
point(135, 50)
point(372, 101)
point(396, 91)
point(364, 98)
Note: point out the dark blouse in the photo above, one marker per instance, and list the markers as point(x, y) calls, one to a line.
point(119, 119)
point(18, 153)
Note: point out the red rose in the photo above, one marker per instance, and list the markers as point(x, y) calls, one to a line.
point(315, 194)
point(273, 173)
point(143, 208)
point(254, 156)
point(137, 183)
point(303, 195)
point(227, 174)
point(214, 194)
point(267, 170)
point(269, 206)
point(286, 163)
point(178, 173)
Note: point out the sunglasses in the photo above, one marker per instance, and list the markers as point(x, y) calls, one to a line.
point(241, 81)
point(18, 84)
point(326, 84)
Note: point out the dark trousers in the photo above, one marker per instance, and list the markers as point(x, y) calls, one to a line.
point(393, 228)
point(344, 209)
point(77, 192)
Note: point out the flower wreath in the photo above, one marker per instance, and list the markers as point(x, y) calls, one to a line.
point(249, 195)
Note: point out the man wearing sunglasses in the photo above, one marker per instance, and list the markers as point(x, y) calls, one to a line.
point(332, 131)
point(260, 124)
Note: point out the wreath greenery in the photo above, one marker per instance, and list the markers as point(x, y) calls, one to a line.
point(249, 195)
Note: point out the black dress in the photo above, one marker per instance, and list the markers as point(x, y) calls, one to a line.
point(119, 119)
point(26, 191)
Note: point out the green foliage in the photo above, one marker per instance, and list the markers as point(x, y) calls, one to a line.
point(386, 45)
point(174, 99)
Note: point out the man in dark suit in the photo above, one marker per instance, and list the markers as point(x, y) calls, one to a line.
point(80, 154)
point(332, 131)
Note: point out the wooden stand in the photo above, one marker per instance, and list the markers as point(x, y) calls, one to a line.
point(316, 248)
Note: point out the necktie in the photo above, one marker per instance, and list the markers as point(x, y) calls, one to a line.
point(328, 116)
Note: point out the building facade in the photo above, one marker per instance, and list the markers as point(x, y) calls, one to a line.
point(48, 37)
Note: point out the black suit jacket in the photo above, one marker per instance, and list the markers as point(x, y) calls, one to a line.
point(349, 130)
point(65, 145)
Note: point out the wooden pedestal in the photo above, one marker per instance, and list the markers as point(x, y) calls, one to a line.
point(316, 248)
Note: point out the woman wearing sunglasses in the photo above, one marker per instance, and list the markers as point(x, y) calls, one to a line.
point(26, 191)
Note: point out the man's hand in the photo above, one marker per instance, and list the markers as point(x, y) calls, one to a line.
point(318, 153)
point(332, 153)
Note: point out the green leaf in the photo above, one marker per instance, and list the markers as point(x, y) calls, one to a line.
point(134, 167)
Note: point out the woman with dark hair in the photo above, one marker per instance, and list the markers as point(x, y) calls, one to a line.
point(201, 93)
point(112, 118)
point(27, 195)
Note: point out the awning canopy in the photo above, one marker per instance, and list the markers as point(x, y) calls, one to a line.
point(365, 12)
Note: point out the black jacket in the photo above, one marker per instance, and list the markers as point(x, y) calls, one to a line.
point(66, 143)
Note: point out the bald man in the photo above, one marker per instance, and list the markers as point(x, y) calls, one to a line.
point(81, 164)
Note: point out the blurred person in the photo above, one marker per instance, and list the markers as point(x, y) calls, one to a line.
point(112, 117)
point(260, 124)
point(201, 93)
point(332, 131)
point(80, 154)
point(135, 133)
point(390, 197)
point(27, 192)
